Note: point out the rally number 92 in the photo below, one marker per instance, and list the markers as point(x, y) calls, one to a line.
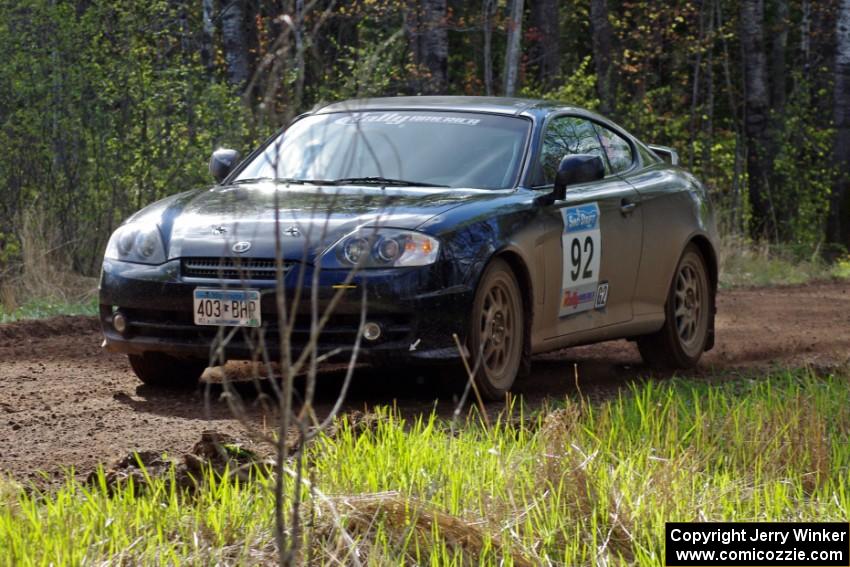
point(578, 252)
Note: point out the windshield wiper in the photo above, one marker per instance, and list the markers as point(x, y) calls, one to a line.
point(285, 180)
point(380, 181)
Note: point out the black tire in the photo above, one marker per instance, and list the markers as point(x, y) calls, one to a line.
point(168, 372)
point(684, 336)
point(496, 331)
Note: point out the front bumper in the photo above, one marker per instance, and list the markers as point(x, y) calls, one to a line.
point(417, 314)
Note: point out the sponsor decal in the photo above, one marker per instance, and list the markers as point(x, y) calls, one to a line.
point(585, 217)
point(574, 299)
point(399, 119)
point(601, 296)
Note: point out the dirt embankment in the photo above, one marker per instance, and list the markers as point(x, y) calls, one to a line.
point(64, 402)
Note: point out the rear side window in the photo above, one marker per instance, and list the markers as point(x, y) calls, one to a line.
point(565, 135)
point(618, 150)
point(646, 155)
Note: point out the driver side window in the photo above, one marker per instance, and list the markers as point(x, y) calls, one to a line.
point(565, 135)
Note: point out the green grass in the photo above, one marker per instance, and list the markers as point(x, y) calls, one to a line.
point(40, 308)
point(748, 265)
point(757, 270)
point(581, 484)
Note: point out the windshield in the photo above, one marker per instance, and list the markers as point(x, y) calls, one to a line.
point(452, 149)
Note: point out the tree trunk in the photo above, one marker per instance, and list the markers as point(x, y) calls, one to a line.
point(838, 223)
point(602, 47)
point(207, 39)
point(429, 43)
point(512, 51)
point(708, 125)
point(545, 18)
point(736, 216)
point(805, 36)
point(235, 43)
point(695, 85)
point(756, 104)
point(298, 33)
point(777, 56)
point(487, 8)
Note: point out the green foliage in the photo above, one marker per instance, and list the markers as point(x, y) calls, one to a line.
point(584, 484)
point(577, 89)
point(40, 308)
point(803, 171)
point(374, 66)
point(841, 269)
point(106, 106)
point(103, 111)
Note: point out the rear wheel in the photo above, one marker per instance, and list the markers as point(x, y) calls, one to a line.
point(683, 338)
point(164, 371)
point(496, 332)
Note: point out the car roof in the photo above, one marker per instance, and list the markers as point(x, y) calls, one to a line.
point(490, 104)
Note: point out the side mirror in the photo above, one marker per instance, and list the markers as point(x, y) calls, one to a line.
point(574, 169)
point(666, 153)
point(222, 162)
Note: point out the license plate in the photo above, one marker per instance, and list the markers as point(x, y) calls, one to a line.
point(228, 308)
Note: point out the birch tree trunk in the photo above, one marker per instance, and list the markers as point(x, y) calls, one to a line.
point(602, 45)
point(756, 104)
point(838, 223)
point(512, 51)
point(487, 8)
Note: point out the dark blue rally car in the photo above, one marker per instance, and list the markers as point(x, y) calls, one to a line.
point(520, 226)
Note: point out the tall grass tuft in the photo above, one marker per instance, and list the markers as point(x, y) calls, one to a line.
point(43, 282)
point(744, 263)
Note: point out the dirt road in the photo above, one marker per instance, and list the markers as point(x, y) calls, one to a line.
point(66, 403)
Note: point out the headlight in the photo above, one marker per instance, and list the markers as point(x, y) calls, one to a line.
point(382, 248)
point(140, 243)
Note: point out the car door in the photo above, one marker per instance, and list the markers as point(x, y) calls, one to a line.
point(593, 237)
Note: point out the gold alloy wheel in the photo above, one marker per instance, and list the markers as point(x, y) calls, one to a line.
point(497, 330)
point(690, 304)
point(682, 339)
point(497, 326)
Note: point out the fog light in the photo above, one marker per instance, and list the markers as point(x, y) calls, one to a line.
point(371, 331)
point(119, 322)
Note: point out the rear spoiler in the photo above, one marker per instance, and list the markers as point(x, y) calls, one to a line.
point(666, 153)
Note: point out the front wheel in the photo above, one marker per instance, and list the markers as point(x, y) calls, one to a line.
point(496, 331)
point(684, 336)
point(164, 371)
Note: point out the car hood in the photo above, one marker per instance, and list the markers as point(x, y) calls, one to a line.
point(210, 222)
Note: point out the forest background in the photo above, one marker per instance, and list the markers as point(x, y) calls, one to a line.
point(106, 105)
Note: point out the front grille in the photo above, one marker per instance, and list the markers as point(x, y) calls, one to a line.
point(231, 268)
